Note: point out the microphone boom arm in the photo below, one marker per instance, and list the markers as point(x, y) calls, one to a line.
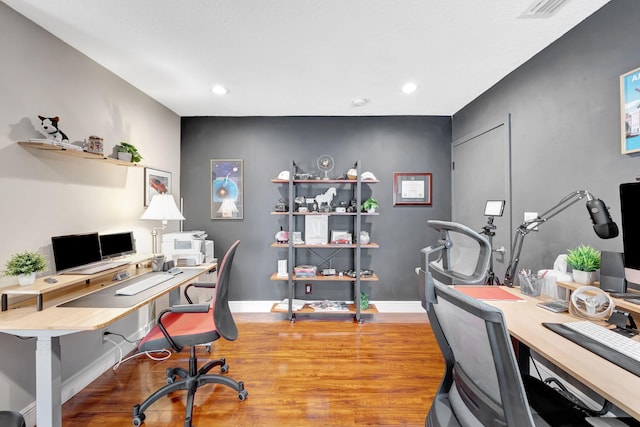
point(529, 225)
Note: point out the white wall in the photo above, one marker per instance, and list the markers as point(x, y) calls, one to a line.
point(44, 194)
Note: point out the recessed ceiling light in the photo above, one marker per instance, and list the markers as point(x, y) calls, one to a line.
point(219, 90)
point(359, 102)
point(409, 87)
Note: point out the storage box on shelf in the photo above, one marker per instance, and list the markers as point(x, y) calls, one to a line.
point(306, 188)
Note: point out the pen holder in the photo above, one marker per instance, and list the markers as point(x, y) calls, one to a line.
point(530, 284)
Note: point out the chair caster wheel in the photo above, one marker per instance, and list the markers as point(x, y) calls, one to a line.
point(171, 377)
point(242, 394)
point(138, 418)
point(224, 368)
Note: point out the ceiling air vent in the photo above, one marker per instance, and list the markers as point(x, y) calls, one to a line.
point(543, 8)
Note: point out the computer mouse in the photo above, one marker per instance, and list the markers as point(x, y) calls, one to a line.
point(50, 280)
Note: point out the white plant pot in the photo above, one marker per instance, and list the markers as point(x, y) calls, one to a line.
point(27, 279)
point(124, 156)
point(584, 277)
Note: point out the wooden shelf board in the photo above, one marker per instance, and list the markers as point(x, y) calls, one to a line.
point(73, 153)
point(308, 310)
point(327, 246)
point(324, 181)
point(372, 278)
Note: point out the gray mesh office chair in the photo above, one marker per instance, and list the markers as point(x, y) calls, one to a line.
point(482, 385)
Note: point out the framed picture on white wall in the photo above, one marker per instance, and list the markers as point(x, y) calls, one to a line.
point(155, 182)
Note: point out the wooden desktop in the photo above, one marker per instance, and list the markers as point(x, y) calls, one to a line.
point(51, 322)
point(524, 321)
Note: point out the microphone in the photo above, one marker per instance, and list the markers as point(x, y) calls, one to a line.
point(603, 225)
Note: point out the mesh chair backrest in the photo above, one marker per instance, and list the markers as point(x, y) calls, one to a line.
point(465, 254)
point(225, 325)
point(483, 380)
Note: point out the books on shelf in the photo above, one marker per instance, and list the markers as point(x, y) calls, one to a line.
point(329, 306)
point(305, 270)
point(296, 304)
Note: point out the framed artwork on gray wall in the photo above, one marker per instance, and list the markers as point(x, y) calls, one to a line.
point(630, 111)
point(155, 182)
point(227, 189)
point(411, 189)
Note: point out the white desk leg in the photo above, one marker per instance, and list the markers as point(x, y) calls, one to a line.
point(48, 382)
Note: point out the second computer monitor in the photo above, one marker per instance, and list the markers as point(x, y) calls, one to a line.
point(117, 244)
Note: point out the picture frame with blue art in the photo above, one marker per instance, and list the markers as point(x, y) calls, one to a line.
point(227, 189)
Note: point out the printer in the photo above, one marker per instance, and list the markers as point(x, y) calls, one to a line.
point(187, 248)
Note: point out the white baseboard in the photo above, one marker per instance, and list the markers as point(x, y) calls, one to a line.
point(382, 306)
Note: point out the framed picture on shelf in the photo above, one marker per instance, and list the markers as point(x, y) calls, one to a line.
point(227, 189)
point(155, 182)
point(630, 111)
point(411, 189)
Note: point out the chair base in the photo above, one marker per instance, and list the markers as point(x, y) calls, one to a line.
point(190, 380)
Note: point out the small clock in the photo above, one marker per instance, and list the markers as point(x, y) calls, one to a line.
point(325, 164)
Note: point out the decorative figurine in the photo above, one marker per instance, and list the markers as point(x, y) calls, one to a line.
point(50, 126)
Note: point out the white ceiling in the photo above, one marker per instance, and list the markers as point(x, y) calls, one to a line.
point(306, 57)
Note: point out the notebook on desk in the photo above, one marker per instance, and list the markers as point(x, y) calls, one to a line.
point(487, 293)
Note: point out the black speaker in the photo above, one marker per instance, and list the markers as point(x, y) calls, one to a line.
point(612, 272)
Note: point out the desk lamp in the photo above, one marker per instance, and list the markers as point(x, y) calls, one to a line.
point(162, 208)
point(603, 225)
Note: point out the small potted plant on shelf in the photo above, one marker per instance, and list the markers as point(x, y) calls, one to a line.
point(128, 152)
point(585, 261)
point(25, 265)
point(370, 205)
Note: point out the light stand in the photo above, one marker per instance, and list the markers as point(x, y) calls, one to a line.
point(487, 230)
point(492, 208)
point(603, 225)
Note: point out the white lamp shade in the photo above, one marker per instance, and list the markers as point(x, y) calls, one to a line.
point(163, 208)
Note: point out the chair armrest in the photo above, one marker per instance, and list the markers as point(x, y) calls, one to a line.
point(189, 308)
point(207, 285)
point(182, 308)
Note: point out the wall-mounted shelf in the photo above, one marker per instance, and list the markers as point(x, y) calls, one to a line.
point(74, 153)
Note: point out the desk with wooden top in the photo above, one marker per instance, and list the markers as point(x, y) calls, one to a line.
point(52, 321)
point(524, 322)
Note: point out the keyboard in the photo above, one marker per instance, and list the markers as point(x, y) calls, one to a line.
point(144, 284)
point(95, 268)
point(557, 306)
point(616, 348)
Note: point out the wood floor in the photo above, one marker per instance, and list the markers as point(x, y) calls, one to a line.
point(314, 372)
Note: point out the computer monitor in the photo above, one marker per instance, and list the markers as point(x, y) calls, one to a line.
point(630, 209)
point(117, 244)
point(75, 249)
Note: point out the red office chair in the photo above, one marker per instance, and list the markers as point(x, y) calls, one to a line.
point(189, 326)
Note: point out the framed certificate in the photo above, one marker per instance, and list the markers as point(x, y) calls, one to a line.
point(411, 189)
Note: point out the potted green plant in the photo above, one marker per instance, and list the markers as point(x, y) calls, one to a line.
point(25, 265)
point(585, 261)
point(370, 205)
point(128, 152)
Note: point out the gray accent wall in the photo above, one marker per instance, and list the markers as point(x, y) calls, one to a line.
point(267, 145)
point(565, 117)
